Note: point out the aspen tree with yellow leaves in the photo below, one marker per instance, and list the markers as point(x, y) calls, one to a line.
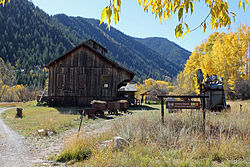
point(9, 90)
point(185, 84)
point(219, 13)
point(226, 55)
point(3, 2)
point(155, 87)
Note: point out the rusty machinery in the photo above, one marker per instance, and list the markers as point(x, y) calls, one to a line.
point(212, 87)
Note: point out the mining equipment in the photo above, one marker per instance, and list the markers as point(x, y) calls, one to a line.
point(212, 87)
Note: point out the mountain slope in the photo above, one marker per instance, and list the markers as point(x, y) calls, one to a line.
point(30, 38)
point(124, 49)
point(168, 49)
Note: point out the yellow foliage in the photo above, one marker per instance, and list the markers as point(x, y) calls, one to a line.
point(19, 87)
point(45, 70)
point(219, 12)
point(156, 86)
point(16, 93)
point(149, 82)
point(225, 55)
point(185, 84)
point(9, 94)
point(3, 2)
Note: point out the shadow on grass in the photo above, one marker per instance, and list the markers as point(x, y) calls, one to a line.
point(143, 107)
point(74, 111)
point(68, 110)
point(106, 117)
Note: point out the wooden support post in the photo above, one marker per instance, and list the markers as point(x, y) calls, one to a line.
point(204, 115)
point(82, 114)
point(162, 110)
point(204, 121)
point(142, 99)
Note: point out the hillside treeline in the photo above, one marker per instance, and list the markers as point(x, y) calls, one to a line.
point(11, 91)
point(30, 39)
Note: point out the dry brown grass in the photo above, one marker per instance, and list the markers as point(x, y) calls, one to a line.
point(9, 104)
point(179, 142)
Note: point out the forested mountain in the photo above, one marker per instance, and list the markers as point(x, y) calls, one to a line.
point(30, 38)
point(124, 49)
point(170, 50)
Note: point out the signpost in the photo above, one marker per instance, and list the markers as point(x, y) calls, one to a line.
point(183, 105)
point(187, 103)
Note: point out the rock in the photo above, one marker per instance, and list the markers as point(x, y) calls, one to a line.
point(50, 133)
point(40, 131)
point(120, 143)
point(105, 144)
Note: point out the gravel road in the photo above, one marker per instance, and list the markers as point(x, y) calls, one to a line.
point(14, 151)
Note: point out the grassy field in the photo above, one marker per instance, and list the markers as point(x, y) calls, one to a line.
point(56, 120)
point(179, 142)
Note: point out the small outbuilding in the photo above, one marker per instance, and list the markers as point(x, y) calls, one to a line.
point(84, 74)
point(128, 92)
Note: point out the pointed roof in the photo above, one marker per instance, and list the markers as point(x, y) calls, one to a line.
point(85, 44)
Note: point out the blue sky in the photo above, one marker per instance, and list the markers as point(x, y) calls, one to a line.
point(135, 22)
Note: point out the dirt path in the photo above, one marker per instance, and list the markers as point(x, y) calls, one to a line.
point(14, 151)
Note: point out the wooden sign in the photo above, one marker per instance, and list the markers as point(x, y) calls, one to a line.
point(183, 105)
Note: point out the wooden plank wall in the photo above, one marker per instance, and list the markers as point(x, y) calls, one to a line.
point(78, 78)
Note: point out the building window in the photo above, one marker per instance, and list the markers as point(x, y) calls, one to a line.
point(105, 81)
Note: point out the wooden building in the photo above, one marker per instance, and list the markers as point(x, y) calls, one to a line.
point(128, 92)
point(85, 74)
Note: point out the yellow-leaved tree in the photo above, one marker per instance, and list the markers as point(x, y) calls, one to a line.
point(226, 55)
point(2, 89)
point(153, 88)
point(219, 13)
point(3, 2)
point(185, 84)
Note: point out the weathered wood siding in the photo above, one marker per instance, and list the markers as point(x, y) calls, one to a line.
point(82, 76)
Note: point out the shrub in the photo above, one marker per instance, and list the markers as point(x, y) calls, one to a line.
point(78, 150)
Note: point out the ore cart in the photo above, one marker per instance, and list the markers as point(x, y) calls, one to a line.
point(124, 105)
point(113, 107)
point(99, 106)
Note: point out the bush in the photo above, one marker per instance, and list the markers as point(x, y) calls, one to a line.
point(78, 150)
point(18, 93)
